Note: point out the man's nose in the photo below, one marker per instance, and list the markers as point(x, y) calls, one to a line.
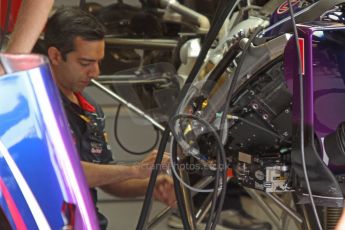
point(94, 71)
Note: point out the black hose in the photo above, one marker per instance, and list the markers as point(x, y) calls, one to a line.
point(209, 224)
point(206, 46)
point(234, 81)
point(178, 191)
point(220, 68)
point(211, 35)
point(218, 11)
point(225, 112)
point(300, 76)
point(221, 169)
point(116, 119)
point(216, 25)
point(212, 220)
point(150, 187)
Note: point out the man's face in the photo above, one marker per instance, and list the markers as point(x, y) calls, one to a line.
point(81, 65)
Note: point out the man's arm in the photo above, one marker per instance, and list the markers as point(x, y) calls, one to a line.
point(102, 174)
point(31, 19)
point(163, 191)
point(128, 188)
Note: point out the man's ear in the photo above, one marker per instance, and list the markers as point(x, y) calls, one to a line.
point(54, 55)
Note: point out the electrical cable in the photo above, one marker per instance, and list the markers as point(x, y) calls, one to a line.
point(178, 191)
point(211, 35)
point(222, 195)
point(216, 207)
point(208, 42)
point(221, 168)
point(300, 76)
point(218, 11)
point(150, 187)
point(217, 24)
point(223, 121)
point(7, 22)
point(220, 68)
point(196, 68)
point(210, 223)
point(180, 180)
point(122, 145)
point(173, 120)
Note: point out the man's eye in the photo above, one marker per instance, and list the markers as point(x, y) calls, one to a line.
point(85, 64)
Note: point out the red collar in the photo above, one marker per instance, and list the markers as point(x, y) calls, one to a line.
point(84, 104)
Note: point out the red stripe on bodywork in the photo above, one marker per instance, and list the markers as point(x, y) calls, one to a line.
point(302, 52)
point(17, 218)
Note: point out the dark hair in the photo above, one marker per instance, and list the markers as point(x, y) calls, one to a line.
point(66, 24)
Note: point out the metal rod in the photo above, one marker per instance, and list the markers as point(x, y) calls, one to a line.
point(267, 209)
point(205, 207)
point(142, 43)
point(284, 207)
point(306, 218)
point(126, 103)
point(112, 80)
point(188, 14)
point(200, 184)
point(155, 220)
point(188, 200)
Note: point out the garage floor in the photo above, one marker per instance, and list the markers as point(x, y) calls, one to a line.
point(124, 214)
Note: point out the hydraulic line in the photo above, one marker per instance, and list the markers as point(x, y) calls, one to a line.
point(208, 42)
point(223, 121)
point(220, 68)
point(149, 192)
point(116, 135)
point(300, 76)
point(221, 168)
point(178, 190)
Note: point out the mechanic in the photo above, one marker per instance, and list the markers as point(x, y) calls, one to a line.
point(75, 45)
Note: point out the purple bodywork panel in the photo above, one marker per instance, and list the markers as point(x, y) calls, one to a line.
point(324, 88)
point(40, 172)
